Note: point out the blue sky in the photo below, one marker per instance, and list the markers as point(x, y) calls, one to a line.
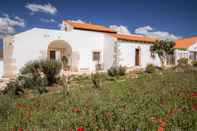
point(168, 18)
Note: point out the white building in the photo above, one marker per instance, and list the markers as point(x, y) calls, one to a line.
point(83, 44)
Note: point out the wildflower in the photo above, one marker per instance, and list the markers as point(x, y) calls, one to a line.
point(20, 129)
point(76, 110)
point(160, 129)
point(80, 129)
point(194, 106)
point(194, 94)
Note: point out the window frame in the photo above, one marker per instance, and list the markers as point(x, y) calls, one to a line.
point(98, 57)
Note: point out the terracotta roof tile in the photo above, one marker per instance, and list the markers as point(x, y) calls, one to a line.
point(138, 38)
point(90, 27)
point(186, 42)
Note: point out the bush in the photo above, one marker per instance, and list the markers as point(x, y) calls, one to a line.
point(65, 61)
point(194, 63)
point(34, 75)
point(14, 88)
point(17, 87)
point(122, 71)
point(183, 68)
point(116, 71)
point(183, 61)
point(96, 80)
point(50, 68)
point(150, 68)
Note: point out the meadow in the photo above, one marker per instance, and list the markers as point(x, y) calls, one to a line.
point(150, 101)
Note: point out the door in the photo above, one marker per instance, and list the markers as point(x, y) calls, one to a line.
point(137, 57)
point(52, 55)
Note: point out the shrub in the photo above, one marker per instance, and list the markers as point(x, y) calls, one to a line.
point(116, 71)
point(112, 71)
point(150, 68)
point(122, 71)
point(17, 87)
point(14, 88)
point(183, 61)
point(50, 68)
point(31, 67)
point(194, 63)
point(96, 80)
point(65, 61)
point(34, 75)
point(183, 68)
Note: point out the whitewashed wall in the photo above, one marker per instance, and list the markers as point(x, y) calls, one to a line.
point(193, 47)
point(33, 44)
point(108, 53)
point(127, 54)
point(185, 53)
point(1, 68)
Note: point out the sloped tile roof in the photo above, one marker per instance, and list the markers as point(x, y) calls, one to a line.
point(90, 27)
point(137, 38)
point(185, 42)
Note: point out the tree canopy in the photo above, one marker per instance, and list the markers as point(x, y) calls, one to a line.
point(163, 48)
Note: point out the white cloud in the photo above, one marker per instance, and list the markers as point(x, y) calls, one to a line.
point(120, 29)
point(151, 32)
point(45, 8)
point(8, 25)
point(79, 21)
point(48, 20)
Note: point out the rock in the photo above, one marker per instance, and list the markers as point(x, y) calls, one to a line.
point(3, 83)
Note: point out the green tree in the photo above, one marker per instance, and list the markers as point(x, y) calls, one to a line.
point(162, 48)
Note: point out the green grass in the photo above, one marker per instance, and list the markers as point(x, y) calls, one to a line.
point(120, 104)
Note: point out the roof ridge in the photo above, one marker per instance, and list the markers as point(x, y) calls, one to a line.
point(89, 26)
point(187, 38)
point(132, 35)
point(84, 23)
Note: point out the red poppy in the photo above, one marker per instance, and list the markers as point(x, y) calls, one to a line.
point(194, 106)
point(160, 129)
point(20, 129)
point(76, 110)
point(80, 129)
point(194, 94)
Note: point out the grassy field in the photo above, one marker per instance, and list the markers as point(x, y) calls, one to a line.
point(120, 104)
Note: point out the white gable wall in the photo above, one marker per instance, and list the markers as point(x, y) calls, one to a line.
point(193, 47)
point(179, 53)
point(33, 44)
point(1, 68)
point(127, 54)
point(108, 52)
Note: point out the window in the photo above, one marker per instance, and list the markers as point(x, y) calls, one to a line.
point(193, 55)
point(96, 56)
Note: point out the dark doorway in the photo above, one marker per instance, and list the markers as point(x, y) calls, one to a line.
point(52, 55)
point(137, 57)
